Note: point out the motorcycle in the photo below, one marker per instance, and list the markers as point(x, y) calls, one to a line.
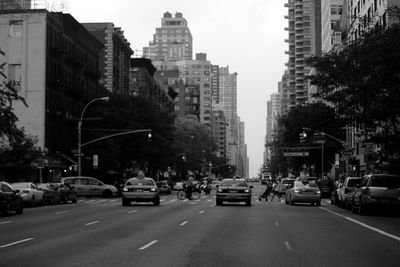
point(206, 189)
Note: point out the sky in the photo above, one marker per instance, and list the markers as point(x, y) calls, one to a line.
point(246, 35)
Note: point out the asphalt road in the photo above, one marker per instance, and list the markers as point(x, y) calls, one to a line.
point(100, 232)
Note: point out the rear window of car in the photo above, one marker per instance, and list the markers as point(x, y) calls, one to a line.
point(233, 183)
point(287, 181)
point(304, 184)
point(385, 181)
point(140, 182)
point(21, 185)
point(353, 182)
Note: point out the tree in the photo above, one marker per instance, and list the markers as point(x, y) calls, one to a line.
point(16, 148)
point(316, 116)
point(362, 82)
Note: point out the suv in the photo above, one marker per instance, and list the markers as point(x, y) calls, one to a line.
point(343, 193)
point(89, 186)
point(10, 200)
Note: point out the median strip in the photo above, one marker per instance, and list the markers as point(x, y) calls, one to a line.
point(17, 242)
point(148, 245)
point(90, 223)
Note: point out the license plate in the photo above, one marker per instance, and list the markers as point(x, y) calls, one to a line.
point(139, 190)
point(233, 191)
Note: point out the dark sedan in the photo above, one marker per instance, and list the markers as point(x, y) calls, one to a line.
point(10, 200)
point(234, 190)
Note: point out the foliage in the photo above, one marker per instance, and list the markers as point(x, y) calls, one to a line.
point(362, 81)
point(315, 116)
point(15, 146)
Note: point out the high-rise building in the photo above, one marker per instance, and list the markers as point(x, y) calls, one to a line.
point(172, 41)
point(304, 41)
point(215, 83)
point(17, 4)
point(228, 99)
point(219, 130)
point(115, 56)
point(331, 12)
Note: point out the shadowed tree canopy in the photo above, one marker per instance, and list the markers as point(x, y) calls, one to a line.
point(362, 81)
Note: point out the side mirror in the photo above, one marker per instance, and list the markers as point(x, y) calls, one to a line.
point(251, 186)
point(217, 186)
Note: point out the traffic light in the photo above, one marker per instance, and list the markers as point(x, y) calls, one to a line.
point(303, 137)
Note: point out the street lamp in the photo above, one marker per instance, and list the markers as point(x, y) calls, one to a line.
point(80, 132)
point(303, 136)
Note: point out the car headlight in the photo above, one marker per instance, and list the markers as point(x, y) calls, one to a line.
point(318, 192)
point(297, 190)
point(125, 189)
point(219, 190)
point(153, 189)
point(247, 190)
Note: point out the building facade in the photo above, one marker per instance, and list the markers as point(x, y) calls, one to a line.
point(172, 41)
point(115, 56)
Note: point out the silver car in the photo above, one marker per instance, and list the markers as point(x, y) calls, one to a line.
point(140, 190)
point(303, 192)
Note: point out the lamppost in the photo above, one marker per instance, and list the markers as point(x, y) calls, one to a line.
point(322, 142)
point(80, 132)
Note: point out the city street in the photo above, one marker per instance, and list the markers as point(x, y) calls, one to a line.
point(100, 232)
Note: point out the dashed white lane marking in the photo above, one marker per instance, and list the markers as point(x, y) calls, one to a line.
point(288, 247)
point(213, 205)
point(183, 223)
point(61, 212)
point(114, 200)
point(192, 203)
point(276, 224)
point(209, 200)
point(395, 237)
point(103, 200)
point(90, 223)
point(200, 212)
point(89, 201)
point(132, 211)
point(5, 222)
point(148, 245)
point(162, 200)
point(17, 242)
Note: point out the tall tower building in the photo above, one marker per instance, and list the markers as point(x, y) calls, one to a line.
point(304, 41)
point(172, 41)
point(228, 99)
point(331, 11)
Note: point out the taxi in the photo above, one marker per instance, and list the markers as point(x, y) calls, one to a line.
point(233, 190)
point(140, 189)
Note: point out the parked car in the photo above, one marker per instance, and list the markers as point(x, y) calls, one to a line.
point(140, 190)
point(10, 200)
point(234, 190)
point(343, 193)
point(286, 183)
point(89, 186)
point(379, 191)
point(303, 192)
point(29, 193)
point(164, 187)
point(51, 194)
point(67, 193)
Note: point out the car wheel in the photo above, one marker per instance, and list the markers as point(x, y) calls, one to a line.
point(75, 199)
point(20, 208)
point(248, 202)
point(125, 202)
point(32, 201)
point(7, 209)
point(106, 194)
point(156, 202)
point(318, 203)
point(362, 209)
point(353, 207)
point(218, 202)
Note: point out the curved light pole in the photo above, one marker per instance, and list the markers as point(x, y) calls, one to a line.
point(304, 134)
point(80, 131)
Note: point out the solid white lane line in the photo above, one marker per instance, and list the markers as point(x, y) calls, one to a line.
point(89, 201)
point(61, 212)
point(103, 200)
point(132, 211)
point(183, 223)
point(395, 237)
point(5, 222)
point(288, 247)
point(201, 212)
point(90, 223)
point(276, 224)
point(17, 242)
point(149, 244)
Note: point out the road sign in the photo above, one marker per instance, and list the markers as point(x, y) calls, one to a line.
point(40, 163)
point(296, 154)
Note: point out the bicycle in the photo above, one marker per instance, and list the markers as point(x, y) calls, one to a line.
point(182, 194)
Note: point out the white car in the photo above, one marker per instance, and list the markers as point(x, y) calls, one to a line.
point(346, 189)
point(89, 186)
point(29, 192)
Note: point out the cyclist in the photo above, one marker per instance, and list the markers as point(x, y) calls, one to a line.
point(189, 187)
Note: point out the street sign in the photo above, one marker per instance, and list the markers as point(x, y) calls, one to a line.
point(40, 163)
point(296, 154)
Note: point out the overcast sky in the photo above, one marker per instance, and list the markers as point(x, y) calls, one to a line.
point(246, 35)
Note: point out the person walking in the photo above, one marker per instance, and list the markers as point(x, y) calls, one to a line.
point(275, 192)
point(266, 193)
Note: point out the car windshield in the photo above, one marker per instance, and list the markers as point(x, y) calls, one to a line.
point(302, 184)
point(20, 185)
point(287, 181)
point(385, 181)
point(353, 182)
point(140, 182)
point(233, 183)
